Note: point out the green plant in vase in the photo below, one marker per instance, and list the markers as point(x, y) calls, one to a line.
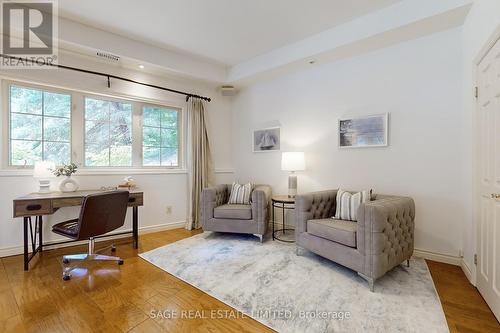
point(68, 184)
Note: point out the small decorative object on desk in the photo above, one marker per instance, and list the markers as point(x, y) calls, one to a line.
point(68, 184)
point(128, 183)
point(43, 172)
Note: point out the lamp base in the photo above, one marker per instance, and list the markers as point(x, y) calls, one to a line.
point(292, 185)
point(44, 186)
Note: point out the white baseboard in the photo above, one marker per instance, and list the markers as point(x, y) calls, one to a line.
point(444, 258)
point(16, 250)
point(468, 272)
point(161, 227)
point(447, 259)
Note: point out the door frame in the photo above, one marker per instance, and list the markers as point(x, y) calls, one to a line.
point(471, 272)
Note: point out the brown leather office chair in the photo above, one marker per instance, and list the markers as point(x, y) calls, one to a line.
point(100, 214)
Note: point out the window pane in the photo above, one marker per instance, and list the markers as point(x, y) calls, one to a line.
point(25, 127)
point(169, 137)
point(96, 109)
point(121, 127)
point(160, 129)
point(37, 117)
point(121, 135)
point(108, 133)
point(120, 109)
point(168, 118)
point(97, 132)
point(25, 152)
point(121, 156)
point(96, 155)
point(57, 152)
point(58, 105)
point(56, 129)
point(25, 100)
point(151, 136)
point(151, 156)
point(169, 157)
point(151, 116)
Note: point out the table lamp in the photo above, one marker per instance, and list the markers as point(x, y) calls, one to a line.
point(43, 172)
point(292, 161)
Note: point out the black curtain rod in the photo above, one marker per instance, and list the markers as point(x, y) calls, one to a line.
point(108, 76)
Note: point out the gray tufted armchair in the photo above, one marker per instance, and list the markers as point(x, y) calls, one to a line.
point(381, 239)
point(217, 215)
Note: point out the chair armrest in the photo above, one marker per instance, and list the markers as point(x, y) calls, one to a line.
point(385, 233)
point(261, 195)
point(310, 206)
point(212, 197)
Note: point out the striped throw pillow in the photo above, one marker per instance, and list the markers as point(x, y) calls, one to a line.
point(348, 204)
point(240, 194)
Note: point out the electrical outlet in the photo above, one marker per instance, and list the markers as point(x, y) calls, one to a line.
point(169, 210)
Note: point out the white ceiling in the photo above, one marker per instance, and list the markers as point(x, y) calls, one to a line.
point(226, 31)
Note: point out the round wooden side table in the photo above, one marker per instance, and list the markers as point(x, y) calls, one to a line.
point(284, 202)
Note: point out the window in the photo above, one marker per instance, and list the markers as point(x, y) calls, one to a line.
point(91, 130)
point(160, 136)
point(40, 126)
point(108, 133)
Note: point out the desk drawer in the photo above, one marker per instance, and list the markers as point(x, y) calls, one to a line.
point(32, 208)
point(66, 202)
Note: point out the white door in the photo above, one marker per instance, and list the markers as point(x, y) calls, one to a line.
point(488, 233)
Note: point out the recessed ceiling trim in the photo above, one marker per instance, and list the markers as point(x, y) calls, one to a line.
point(386, 22)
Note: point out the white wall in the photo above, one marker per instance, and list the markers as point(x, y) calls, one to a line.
point(482, 21)
point(161, 189)
point(419, 82)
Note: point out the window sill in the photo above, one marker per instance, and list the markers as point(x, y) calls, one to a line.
point(99, 172)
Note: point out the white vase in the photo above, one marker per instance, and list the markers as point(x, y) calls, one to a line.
point(68, 184)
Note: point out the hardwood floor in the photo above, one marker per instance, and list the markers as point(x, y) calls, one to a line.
point(465, 309)
point(138, 297)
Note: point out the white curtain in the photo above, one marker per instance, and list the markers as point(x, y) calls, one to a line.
point(201, 172)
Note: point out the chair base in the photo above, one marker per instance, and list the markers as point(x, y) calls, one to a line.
point(92, 255)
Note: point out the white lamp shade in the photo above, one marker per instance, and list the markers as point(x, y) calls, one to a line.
point(43, 169)
point(293, 161)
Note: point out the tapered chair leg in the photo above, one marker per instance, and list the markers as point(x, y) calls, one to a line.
point(371, 281)
point(261, 237)
point(408, 263)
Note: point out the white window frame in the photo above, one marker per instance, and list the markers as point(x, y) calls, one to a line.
point(6, 93)
point(133, 132)
point(77, 140)
point(180, 133)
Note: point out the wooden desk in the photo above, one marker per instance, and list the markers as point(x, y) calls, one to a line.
point(40, 204)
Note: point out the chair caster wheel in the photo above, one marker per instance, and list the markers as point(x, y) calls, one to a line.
point(120, 262)
point(66, 261)
point(66, 277)
point(113, 249)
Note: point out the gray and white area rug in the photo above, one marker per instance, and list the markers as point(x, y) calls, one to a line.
point(306, 293)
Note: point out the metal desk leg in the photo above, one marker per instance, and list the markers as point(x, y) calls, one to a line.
point(40, 239)
point(135, 226)
point(26, 260)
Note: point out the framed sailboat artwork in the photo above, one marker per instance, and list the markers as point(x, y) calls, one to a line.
point(266, 140)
